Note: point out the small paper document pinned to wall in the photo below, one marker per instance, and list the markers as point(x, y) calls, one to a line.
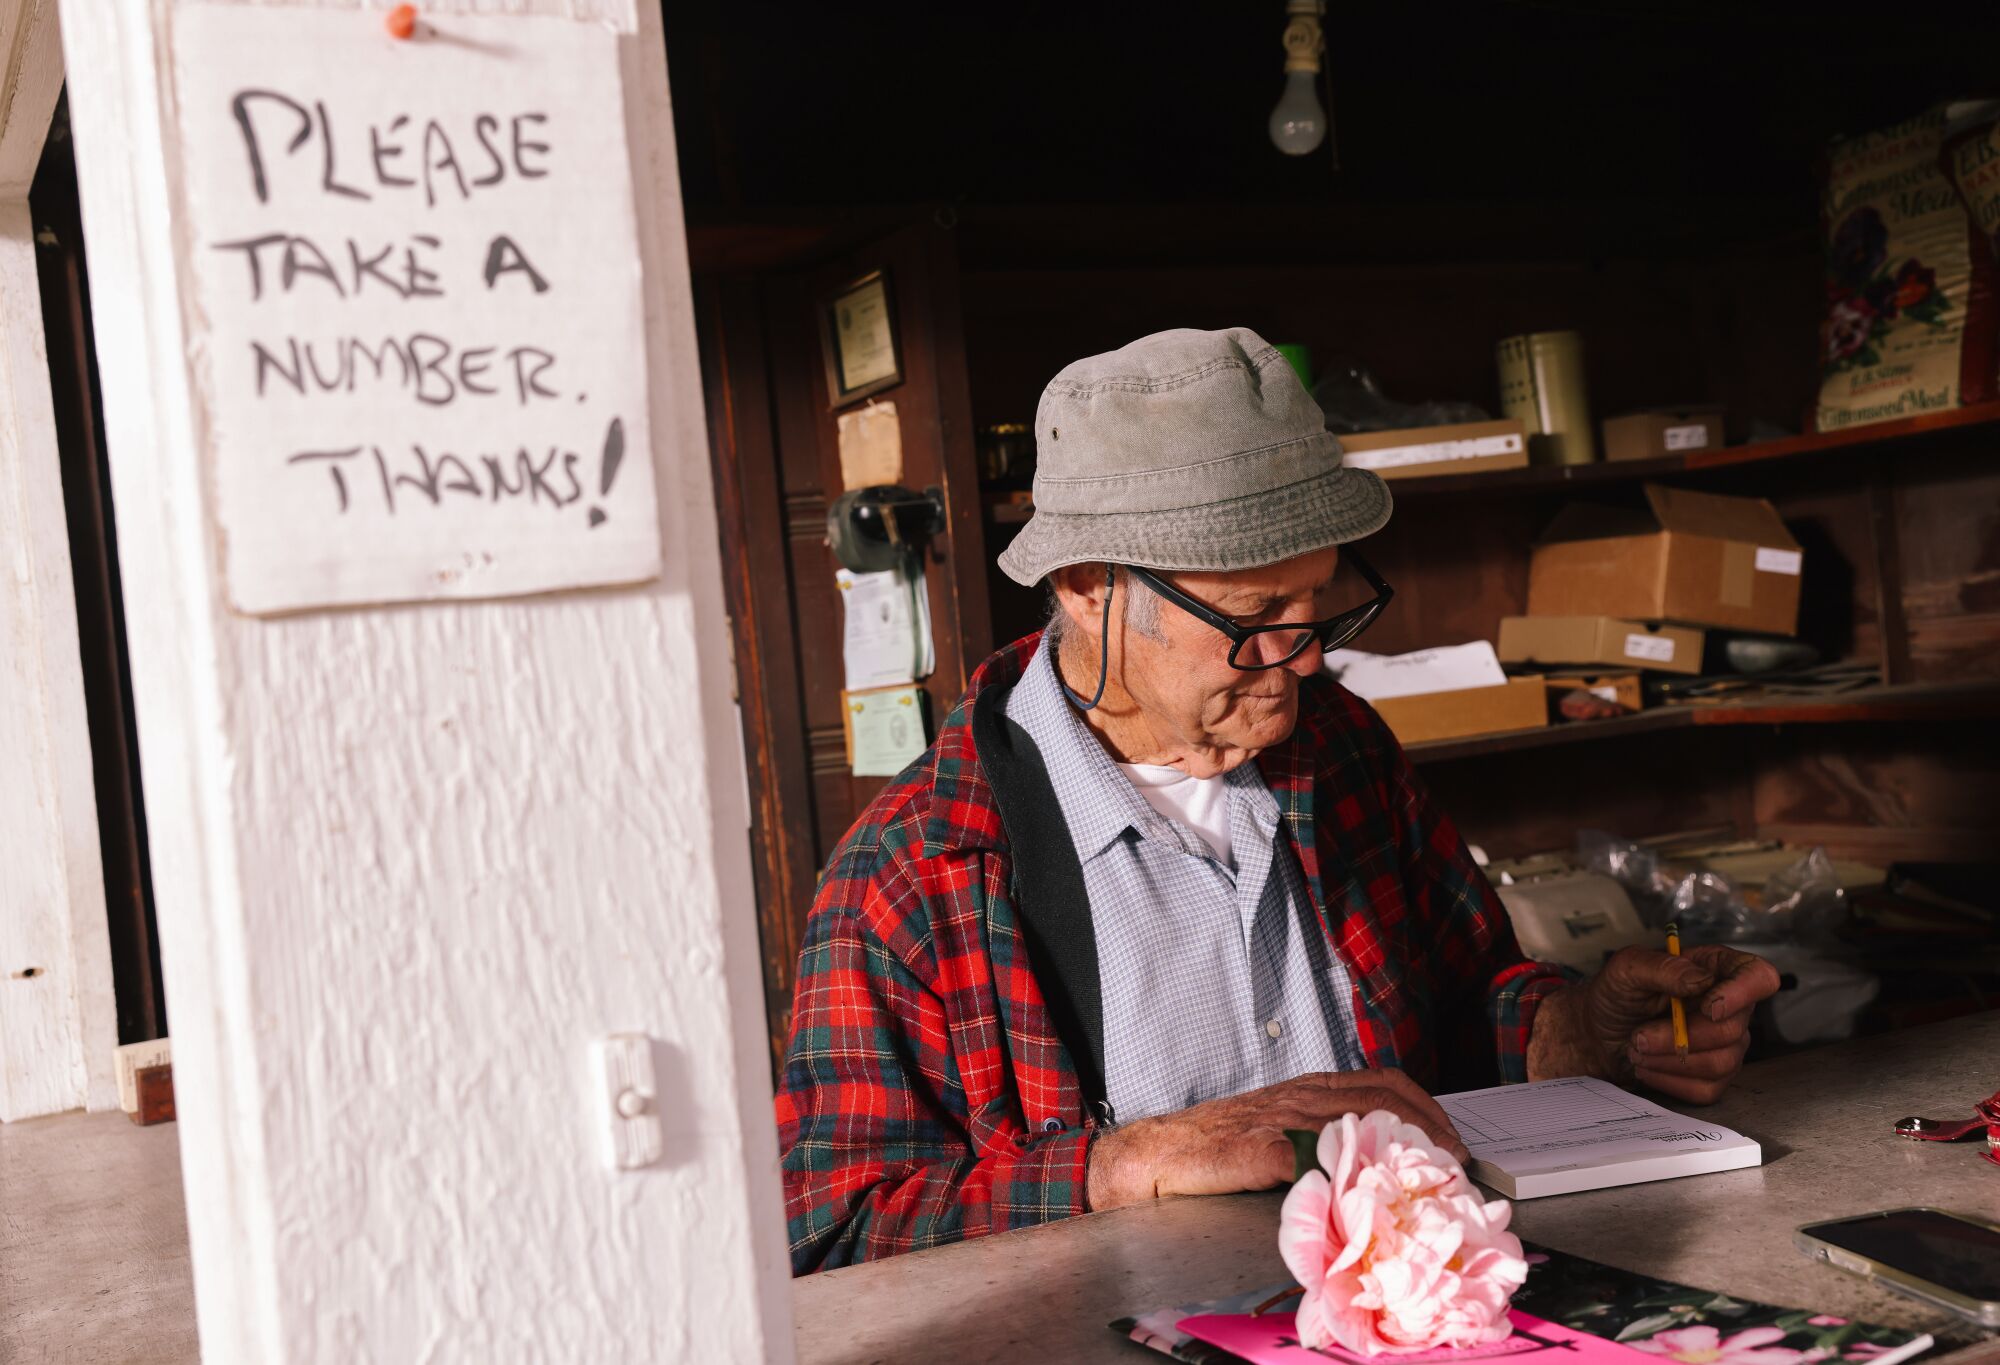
point(885, 729)
point(888, 635)
point(871, 446)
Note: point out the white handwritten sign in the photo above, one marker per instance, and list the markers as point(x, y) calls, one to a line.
point(418, 318)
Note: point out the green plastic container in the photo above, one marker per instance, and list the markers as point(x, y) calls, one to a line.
point(1301, 361)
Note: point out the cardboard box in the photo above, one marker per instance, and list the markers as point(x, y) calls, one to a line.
point(1457, 449)
point(1604, 640)
point(126, 1061)
point(1517, 704)
point(1649, 435)
point(1622, 688)
point(153, 1089)
point(1701, 558)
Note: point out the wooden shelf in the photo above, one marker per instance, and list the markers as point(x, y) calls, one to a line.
point(1562, 478)
point(1914, 701)
point(1909, 701)
point(1015, 507)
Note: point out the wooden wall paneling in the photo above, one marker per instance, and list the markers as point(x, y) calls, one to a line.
point(1947, 525)
point(1926, 790)
point(1428, 331)
point(1831, 511)
point(1950, 648)
point(1762, 340)
point(754, 554)
point(963, 547)
point(1892, 626)
point(805, 486)
point(1515, 804)
point(1458, 565)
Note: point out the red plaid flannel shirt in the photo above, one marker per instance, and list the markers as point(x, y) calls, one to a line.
point(926, 1096)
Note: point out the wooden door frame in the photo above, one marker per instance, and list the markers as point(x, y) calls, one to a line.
point(751, 526)
point(750, 411)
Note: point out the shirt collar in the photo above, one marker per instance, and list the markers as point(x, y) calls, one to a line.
point(1097, 801)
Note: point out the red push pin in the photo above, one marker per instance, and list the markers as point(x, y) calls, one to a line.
point(402, 21)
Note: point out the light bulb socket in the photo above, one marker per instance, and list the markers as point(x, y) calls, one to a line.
point(1303, 39)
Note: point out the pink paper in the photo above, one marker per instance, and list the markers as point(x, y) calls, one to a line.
point(1271, 1340)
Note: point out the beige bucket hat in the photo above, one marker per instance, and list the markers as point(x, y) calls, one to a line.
point(1187, 450)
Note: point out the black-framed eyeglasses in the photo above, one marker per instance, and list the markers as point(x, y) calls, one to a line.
point(1252, 648)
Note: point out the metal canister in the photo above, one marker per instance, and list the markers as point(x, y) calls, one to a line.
point(1542, 387)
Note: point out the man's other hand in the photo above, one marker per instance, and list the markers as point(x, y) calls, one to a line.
point(1225, 1146)
point(1617, 1024)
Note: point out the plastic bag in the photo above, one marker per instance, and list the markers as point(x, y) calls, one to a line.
point(1353, 401)
point(1633, 867)
point(1802, 902)
point(1805, 901)
point(1710, 908)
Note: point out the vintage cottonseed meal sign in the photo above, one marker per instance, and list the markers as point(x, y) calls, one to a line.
point(417, 317)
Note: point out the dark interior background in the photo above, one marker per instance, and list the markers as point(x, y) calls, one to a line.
point(1645, 174)
point(1701, 120)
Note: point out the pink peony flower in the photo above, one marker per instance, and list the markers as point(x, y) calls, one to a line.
point(1825, 1320)
point(1706, 1346)
point(1396, 1250)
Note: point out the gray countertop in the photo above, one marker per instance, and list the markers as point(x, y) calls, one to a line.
point(94, 1259)
point(1822, 1116)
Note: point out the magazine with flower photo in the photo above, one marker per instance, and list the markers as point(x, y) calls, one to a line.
point(1670, 1321)
point(1699, 1326)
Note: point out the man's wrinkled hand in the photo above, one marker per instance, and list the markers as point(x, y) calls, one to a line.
point(1627, 1012)
point(1229, 1145)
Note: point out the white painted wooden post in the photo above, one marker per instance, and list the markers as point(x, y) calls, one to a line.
point(412, 861)
point(58, 1017)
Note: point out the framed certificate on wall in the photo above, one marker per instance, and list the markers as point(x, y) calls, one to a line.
point(860, 340)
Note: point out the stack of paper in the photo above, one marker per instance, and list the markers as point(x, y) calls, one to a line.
point(1448, 668)
point(1580, 1133)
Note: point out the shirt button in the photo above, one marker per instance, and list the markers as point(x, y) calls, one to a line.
point(1274, 1028)
point(1052, 1125)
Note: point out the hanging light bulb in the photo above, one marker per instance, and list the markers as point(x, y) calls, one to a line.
point(1298, 124)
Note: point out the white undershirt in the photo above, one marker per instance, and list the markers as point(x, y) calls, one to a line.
point(1200, 803)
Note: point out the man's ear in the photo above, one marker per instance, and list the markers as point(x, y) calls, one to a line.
point(1079, 590)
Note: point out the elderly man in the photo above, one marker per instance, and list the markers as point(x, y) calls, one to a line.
point(1162, 889)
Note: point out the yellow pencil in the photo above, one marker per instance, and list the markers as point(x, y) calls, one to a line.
point(1680, 1012)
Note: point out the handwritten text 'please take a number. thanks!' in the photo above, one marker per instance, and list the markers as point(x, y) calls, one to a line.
point(291, 152)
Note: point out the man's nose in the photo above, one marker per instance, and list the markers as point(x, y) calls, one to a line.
point(1307, 663)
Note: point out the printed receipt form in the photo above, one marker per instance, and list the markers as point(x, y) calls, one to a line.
point(1580, 1133)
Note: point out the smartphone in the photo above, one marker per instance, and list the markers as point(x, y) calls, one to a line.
point(1947, 1259)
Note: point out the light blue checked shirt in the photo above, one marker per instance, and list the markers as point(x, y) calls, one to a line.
point(1214, 981)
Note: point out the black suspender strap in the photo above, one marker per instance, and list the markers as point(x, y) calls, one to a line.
point(1048, 889)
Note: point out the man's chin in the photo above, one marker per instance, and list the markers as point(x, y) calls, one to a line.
point(1263, 724)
